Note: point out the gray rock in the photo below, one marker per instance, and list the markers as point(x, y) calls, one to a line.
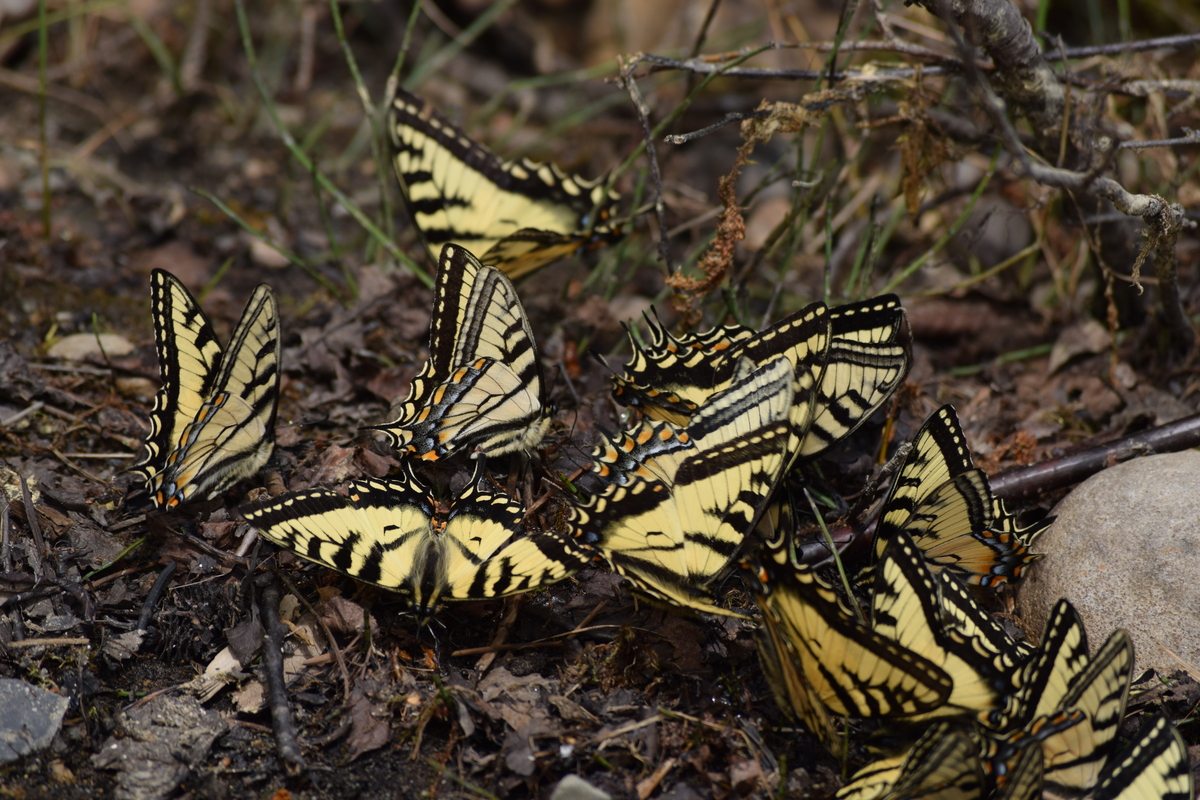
point(573, 787)
point(1125, 550)
point(29, 718)
point(161, 742)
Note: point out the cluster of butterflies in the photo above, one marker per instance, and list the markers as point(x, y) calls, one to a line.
point(959, 710)
point(698, 484)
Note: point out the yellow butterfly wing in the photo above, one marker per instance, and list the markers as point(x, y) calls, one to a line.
point(383, 532)
point(379, 533)
point(862, 368)
point(482, 388)
point(946, 505)
point(518, 215)
point(851, 669)
point(214, 417)
point(677, 505)
point(907, 606)
point(1153, 767)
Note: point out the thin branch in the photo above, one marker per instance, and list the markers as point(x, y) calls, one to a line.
point(1181, 42)
point(702, 66)
point(1026, 482)
point(627, 81)
point(729, 119)
point(1148, 207)
point(1192, 137)
point(272, 659)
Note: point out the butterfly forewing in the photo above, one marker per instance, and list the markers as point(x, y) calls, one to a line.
point(233, 433)
point(963, 615)
point(1153, 767)
point(378, 533)
point(490, 555)
point(189, 356)
point(862, 368)
point(943, 765)
point(939, 454)
point(1075, 757)
point(781, 668)
point(907, 607)
point(1054, 667)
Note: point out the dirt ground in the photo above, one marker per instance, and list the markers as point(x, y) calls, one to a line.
point(152, 108)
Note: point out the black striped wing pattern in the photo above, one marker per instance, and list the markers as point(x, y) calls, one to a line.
point(849, 669)
point(213, 421)
point(862, 369)
point(874, 779)
point(907, 607)
point(943, 764)
point(781, 667)
point(482, 387)
point(673, 376)
point(1060, 679)
point(384, 532)
point(517, 215)
point(670, 376)
point(1153, 767)
point(678, 503)
point(946, 505)
point(962, 613)
point(847, 361)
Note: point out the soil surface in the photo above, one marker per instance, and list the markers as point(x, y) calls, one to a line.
point(151, 111)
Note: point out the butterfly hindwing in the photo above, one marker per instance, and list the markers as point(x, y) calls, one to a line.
point(669, 376)
point(962, 613)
